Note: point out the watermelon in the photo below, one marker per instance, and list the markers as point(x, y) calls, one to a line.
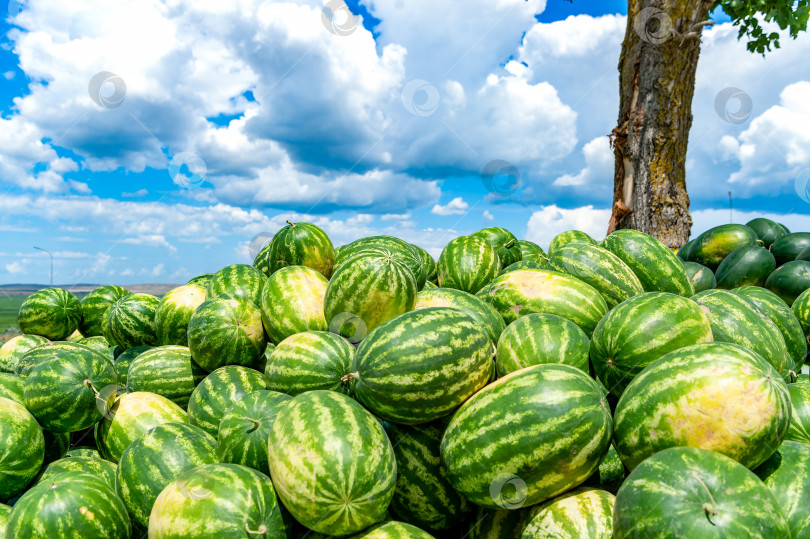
point(308, 361)
point(693, 492)
point(788, 247)
point(99, 344)
point(569, 236)
point(684, 250)
point(610, 474)
point(787, 476)
point(156, 459)
point(655, 265)
point(123, 361)
point(17, 347)
point(46, 352)
point(245, 427)
point(226, 330)
point(167, 371)
point(11, 387)
point(56, 445)
point(468, 263)
point(421, 365)
point(217, 500)
point(523, 292)
point(103, 469)
point(531, 252)
point(292, 302)
point(365, 293)
point(504, 242)
point(335, 492)
point(218, 391)
point(202, 280)
point(582, 512)
point(500, 524)
point(5, 513)
point(557, 433)
point(711, 247)
point(73, 505)
point(641, 330)
point(482, 312)
point(298, 244)
point(424, 496)
point(53, 313)
point(429, 285)
point(389, 246)
point(23, 448)
point(701, 277)
point(736, 320)
point(801, 308)
point(131, 321)
point(84, 451)
point(431, 269)
point(541, 338)
point(71, 392)
point(747, 266)
point(174, 312)
point(799, 430)
point(239, 280)
point(95, 304)
point(394, 530)
point(130, 417)
point(521, 264)
point(789, 280)
point(767, 231)
point(717, 396)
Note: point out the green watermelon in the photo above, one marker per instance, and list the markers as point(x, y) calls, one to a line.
point(329, 491)
point(711, 247)
point(103, 469)
point(389, 246)
point(500, 524)
point(737, 320)
point(557, 433)
point(801, 308)
point(17, 347)
point(747, 266)
point(569, 236)
point(610, 474)
point(431, 269)
point(99, 344)
point(84, 451)
point(429, 285)
point(226, 330)
point(531, 252)
point(394, 530)
point(156, 459)
point(421, 365)
point(5, 513)
point(239, 280)
point(701, 277)
point(684, 250)
point(787, 475)
point(717, 396)
point(521, 264)
point(692, 492)
point(46, 352)
point(641, 330)
point(366, 292)
point(655, 265)
point(292, 302)
point(582, 512)
point(245, 427)
point(56, 445)
point(202, 280)
point(53, 313)
point(174, 312)
point(95, 304)
point(308, 361)
point(468, 263)
point(504, 242)
point(217, 500)
point(787, 248)
point(789, 280)
point(482, 312)
point(767, 231)
point(22, 450)
point(298, 244)
point(799, 430)
point(167, 371)
point(11, 387)
point(131, 321)
point(218, 391)
point(541, 338)
point(130, 417)
point(123, 361)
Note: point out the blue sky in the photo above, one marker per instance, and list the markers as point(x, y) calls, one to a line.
point(151, 142)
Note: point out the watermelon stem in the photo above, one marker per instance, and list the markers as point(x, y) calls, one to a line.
point(89, 384)
point(349, 377)
point(256, 424)
point(708, 508)
point(261, 531)
point(289, 223)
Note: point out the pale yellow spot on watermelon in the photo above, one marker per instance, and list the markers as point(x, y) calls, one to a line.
point(87, 513)
point(535, 283)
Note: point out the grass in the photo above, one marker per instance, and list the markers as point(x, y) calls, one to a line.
point(9, 305)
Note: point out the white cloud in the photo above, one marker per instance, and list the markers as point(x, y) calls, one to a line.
point(549, 221)
point(136, 194)
point(157, 270)
point(488, 216)
point(598, 166)
point(8, 75)
point(457, 206)
point(15, 267)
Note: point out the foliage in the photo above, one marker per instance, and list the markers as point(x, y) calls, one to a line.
point(750, 14)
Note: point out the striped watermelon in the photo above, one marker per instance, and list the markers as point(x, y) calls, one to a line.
point(701, 277)
point(429, 285)
point(298, 244)
point(789, 280)
point(394, 530)
point(131, 321)
point(202, 280)
point(801, 308)
point(531, 252)
point(400, 250)
point(786, 248)
point(749, 265)
point(558, 431)
point(73, 505)
point(5, 513)
point(431, 269)
point(655, 265)
point(582, 512)
point(711, 247)
point(521, 264)
point(95, 304)
point(599, 268)
point(504, 242)
point(692, 492)
point(424, 496)
point(329, 491)
point(46, 352)
point(53, 313)
point(226, 330)
point(17, 347)
point(167, 371)
point(365, 293)
point(468, 263)
point(421, 365)
point(292, 302)
point(523, 292)
point(84, 451)
point(103, 469)
point(717, 396)
point(767, 231)
point(11, 387)
point(22, 450)
point(123, 361)
point(130, 417)
point(787, 475)
point(569, 236)
point(156, 459)
point(308, 361)
point(799, 430)
point(500, 524)
point(482, 312)
point(99, 344)
point(535, 339)
point(217, 500)
point(56, 445)
point(218, 391)
point(641, 330)
point(735, 319)
point(240, 280)
point(610, 474)
point(245, 427)
point(684, 250)
point(174, 312)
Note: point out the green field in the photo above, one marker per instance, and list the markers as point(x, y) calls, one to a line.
point(9, 305)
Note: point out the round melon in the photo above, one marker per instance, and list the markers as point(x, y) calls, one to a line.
point(582, 512)
point(504, 242)
point(103, 469)
point(46, 352)
point(167, 371)
point(201, 280)
point(131, 321)
point(308, 361)
point(786, 248)
point(701, 277)
point(431, 269)
point(799, 430)
point(569, 236)
point(297, 244)
point(531, 252)
point(468, 263)
point(789, 280)
point(53, 313)
point(801, 309)
point(292, 302)
point(394, 530)
point(767, 231)
point(218, 391)
point(124, 360)
point(95, 304)
point(23, 448)
point(749, 265)
point(17, 347)
point(399, 250)
point(11, 387)
point(787, 475)
point(238, 280)
point(712, 246)
point(482, 312)
point(174, 312)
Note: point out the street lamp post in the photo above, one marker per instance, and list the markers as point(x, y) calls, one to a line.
point(49, 254)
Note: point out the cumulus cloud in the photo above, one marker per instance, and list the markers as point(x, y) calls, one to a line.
point(457, 206)
point(549, 221)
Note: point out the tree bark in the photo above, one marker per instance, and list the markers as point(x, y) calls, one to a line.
point(657, 81)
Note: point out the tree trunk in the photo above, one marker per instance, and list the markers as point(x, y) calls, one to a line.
point(656, 81)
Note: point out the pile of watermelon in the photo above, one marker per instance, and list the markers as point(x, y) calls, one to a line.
point(593, 389)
